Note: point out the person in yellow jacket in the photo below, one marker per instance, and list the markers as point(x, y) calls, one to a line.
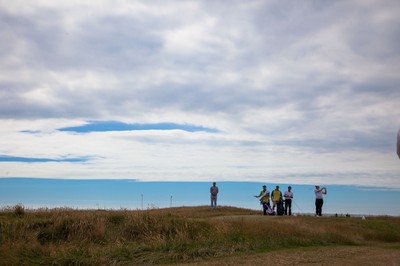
point(276, 196)
point(264, 199)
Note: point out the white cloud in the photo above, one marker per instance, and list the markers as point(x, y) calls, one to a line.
point(308, 89)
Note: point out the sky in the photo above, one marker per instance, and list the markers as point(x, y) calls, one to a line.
point(292, 92)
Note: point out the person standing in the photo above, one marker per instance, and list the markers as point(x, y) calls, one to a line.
point(319, 199)
point(276, 196)
point(264, 199)
point(214, 192)
point(288, 195)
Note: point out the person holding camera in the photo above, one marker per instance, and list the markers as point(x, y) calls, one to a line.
point(319, 199)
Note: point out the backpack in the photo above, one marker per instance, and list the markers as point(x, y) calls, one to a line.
point(280, 209)
point(267, 209)
point(270, 211)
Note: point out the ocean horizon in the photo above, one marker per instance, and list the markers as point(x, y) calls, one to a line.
point(35, 193)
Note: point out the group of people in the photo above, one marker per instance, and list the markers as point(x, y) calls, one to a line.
point(281, 204)
point(277, 201)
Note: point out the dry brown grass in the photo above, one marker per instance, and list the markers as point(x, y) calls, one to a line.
point(185, 234)
point(388, 255)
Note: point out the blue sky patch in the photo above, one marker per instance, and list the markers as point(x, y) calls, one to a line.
point(104, 126)
point(5, 158)
point(30, 131)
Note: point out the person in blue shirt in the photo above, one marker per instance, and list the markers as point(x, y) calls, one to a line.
point(214, 193)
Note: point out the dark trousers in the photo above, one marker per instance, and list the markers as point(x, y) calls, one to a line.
point(213, 201)
point(318, 206)
point(288, 206)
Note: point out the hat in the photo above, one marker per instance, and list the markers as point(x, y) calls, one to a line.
point(264, 186)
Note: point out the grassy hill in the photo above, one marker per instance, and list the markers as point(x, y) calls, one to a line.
point(173, 235)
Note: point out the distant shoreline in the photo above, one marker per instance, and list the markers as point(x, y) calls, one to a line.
point(113, 194)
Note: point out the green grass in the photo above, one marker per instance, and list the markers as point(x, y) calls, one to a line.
point(165, 236)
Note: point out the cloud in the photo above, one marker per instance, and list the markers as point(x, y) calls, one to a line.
point(197, 89)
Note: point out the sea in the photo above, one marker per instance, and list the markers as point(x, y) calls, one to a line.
point(37, 193)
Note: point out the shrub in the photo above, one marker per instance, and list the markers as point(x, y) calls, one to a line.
point(19, 210)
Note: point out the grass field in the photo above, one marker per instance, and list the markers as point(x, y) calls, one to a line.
point(182, 235)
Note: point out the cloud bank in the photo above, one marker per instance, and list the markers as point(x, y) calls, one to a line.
point(300, 92)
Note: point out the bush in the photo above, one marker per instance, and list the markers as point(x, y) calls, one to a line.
point(19, 210)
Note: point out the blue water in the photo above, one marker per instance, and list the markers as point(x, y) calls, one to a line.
point(130, 194)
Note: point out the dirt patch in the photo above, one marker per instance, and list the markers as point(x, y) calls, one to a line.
point(342, 255)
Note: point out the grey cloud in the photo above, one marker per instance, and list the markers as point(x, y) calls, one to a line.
point(379, 141)
point(259, 35)
point(118, 44)
point(34, 39)
point(315, 79)
point(373, 30)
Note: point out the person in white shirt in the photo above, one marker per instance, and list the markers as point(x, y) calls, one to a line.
point(214, 192)
point(288, 195)
point(319, 201)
